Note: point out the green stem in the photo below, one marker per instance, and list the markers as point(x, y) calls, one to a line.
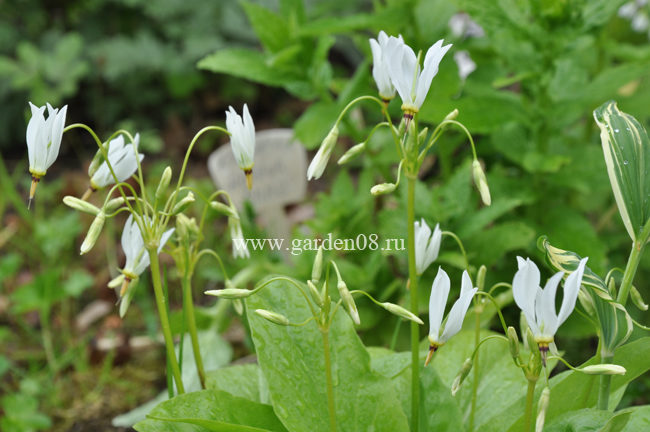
point(164, 318)
point(413, 287)
point(331, 407)
point(530, 398)
point(48, 346)
point(630, 272)
point(191, 325)
point(477, 340)
point(605, 384)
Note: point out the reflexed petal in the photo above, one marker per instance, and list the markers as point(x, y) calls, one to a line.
point(34, 128)
point(571, 290)
point(466, 285)
point(422, 234)
point(525, 286)
point(437, 302)
point(458, 312)
point(56, 134)
point(547, 317)
point(431, 62)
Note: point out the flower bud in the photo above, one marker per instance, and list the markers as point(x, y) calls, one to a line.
point(125, 300)
point(481, 182)
point(81, 205)
point(186, 228)
point(541, 409)
point(382, 188)
point(238, 306)
point(116, 282)
point(612, 287)
point(165, 178)
point(604, 369)
point(480, 279)
point(348, 301)
point(97, 160)
point(224, 209)
point(274, 317)
point(183, 204)
point(352, 152)
point(93, 233)
point(636, 298)
point(411, 139)
point(401, 312)
point(452, 115)
point(513, 341)
point(230, 293)
point(315, 294)
point(423, 135)
point(462, 374)
point(318, 164)
point(317, 268)
point(113, 204)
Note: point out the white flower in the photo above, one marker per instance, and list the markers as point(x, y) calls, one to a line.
point(122, 159)
point(137, 258)
point(462, 25)
point(44, 138)
point(319, 162)
point(465, 64)
point(427, 245)
point(242, 140)
point(380, 66)
point(411, 82)
point(538, 305)
point(437, 303)
point(239, 245)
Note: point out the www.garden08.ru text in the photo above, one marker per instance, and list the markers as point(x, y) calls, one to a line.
point(297, 246)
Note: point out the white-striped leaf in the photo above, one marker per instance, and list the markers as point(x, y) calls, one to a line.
point(615, 324)
point(627, 155)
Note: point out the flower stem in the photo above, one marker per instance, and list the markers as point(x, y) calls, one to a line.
point(413, 287)
point(605, 384)
point(188, 303)
point(630, 272)
point(530, 398)
point(331, 406)
point(477, 340)
point(164, 318)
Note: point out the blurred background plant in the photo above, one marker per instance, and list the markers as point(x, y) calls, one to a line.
point(541, 67)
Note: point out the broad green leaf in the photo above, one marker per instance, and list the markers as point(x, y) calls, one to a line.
point(344, 24)
point(271, 28)
point(314, 124)
point(639, 419)
point(614, 321)
point(245, 381)
point(626, 149)
point(210, 410)
point(585, 420)
point(292, 359)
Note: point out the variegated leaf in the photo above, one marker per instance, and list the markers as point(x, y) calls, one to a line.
point(627, 155)
point(615, 324)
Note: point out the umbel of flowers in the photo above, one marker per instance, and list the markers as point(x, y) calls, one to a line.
point(147, 229)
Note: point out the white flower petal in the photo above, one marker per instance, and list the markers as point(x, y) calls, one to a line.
point(458, 312)
point(56, 135)
point(547, 316)
point(437, 302)
point(431, 62)
point(571, 289)
point(525, 286)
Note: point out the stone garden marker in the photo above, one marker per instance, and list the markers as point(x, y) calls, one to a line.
point(279, 178)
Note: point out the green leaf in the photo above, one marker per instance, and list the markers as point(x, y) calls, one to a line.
point(627, 156)
point(314, 124)
point(586, 420)
point(614, 321)
point(271, 28)
point(211, 410)
point(246, 381)
point(292, 359)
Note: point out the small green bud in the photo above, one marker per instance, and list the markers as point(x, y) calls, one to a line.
point(125, 300)
point(317, 268)
point(93, 233)
point(542, 406)
point(513, 340)
point(230, 293)
point(116, 282)
point(97, 161)
point(274, 317)
point(452, 115)
point(238, 306)
point(165, 178)
point(462, 374)
point(636, 298)
point(401, 127)
point(318, 164)
point(382, 188)
point(423, 135)
point(113, 204)
point(401, 312)
point(480, 278)
point(352, 152)
point(224, 209)
point(604, 369)
point(532, 343)
point(348, 301)
point(612, 287)
point(481, 182)
point(81, 205)
point(315, 294)
point(411, 139)
point(183, 204)
point(186, 228)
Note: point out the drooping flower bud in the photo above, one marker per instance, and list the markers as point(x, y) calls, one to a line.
point(423, 135)
point(401, 312)
point(480, 278)
point(315, 294)
point(541, 409)
point(81, 205)
point(452, 115)
point(636, 298)
point(274, 317)
point(462, 374)
point(513, 341)
point(230, 293)
point(224, 209)
point(165, 178)
point(382, 188)
point(183, 204)
point(113, 204)
point(353, 152)
point(93, 233)
point(604, 369)
point(317, 268)
point(481, 182)
point(318, 164)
